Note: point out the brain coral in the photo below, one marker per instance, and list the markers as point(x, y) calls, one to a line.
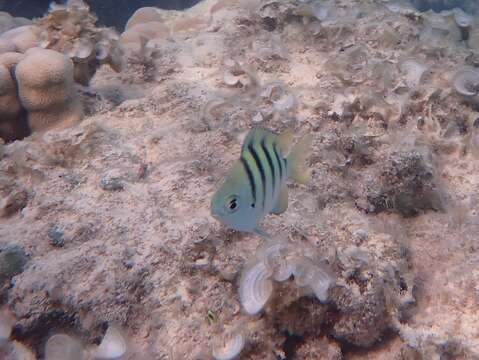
point(46, 88)
point(6, 45)
point(11, 59)
point(22, 38)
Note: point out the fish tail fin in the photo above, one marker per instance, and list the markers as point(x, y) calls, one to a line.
point(296, 160)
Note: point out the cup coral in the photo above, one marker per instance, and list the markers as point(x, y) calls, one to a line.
point(46, 88)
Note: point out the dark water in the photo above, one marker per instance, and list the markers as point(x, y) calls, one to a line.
point(110, 12)
point(441, 5)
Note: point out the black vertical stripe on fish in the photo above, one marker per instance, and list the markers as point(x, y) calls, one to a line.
point(271, 165)
point(278, 160)
point(250, 179)
point(260, 167)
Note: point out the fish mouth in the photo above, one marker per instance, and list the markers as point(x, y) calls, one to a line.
point(216, 214)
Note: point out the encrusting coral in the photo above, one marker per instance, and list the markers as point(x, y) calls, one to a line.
point(46, 88)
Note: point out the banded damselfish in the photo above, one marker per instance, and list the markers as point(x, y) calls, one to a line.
point(257, 183)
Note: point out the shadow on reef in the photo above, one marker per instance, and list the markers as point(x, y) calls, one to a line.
point(123, 9)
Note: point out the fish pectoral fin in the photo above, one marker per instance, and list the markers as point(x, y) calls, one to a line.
point(285, 140)
point(296, 160)
point(262, 233)
point(282, 202)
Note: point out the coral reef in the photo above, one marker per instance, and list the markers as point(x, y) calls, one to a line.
point(376, 258)
point(76, 49)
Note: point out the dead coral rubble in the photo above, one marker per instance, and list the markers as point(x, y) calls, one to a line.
point(408, 186)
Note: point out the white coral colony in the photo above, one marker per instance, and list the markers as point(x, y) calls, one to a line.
point(321, 283)
point(462, 19)
point(413, 71)
point(61, 347)
point(255, 287)
point(276, 258)
point(316, 277)
point(112, 347)
point(230, 348)
point(466, 82)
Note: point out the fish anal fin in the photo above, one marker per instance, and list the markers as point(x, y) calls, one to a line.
point(262, 233)
point(281, 203)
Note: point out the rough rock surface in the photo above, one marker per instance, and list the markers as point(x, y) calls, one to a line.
point(115, 210)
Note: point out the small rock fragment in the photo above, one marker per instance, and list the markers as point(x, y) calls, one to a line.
point(12, 262)
point(13, 202)
point(112, 181)
point(56, 236)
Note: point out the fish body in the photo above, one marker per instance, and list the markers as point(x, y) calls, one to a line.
point(257, 183)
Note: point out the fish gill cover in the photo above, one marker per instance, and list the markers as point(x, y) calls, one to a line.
point(114, 142)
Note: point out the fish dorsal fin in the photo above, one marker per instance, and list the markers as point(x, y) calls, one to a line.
point(281, 203)
point(254, 136)
point(284, 141)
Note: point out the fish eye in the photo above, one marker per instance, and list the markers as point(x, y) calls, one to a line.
point(232, 204)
